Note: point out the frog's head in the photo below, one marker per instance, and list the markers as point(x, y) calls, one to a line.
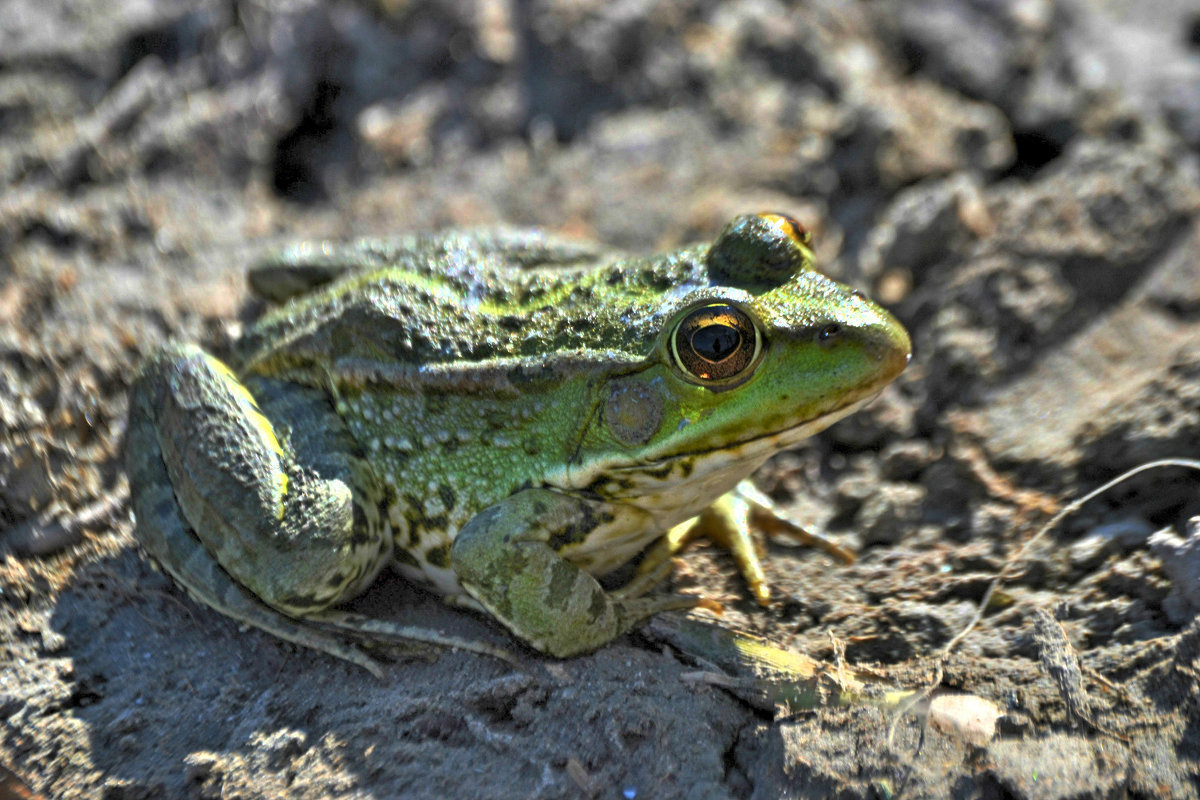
point(762, 353)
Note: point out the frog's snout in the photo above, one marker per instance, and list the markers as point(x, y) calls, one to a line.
point(890, 345)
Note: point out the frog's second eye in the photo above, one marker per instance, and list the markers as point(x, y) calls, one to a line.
point(760, 249)
point(716, 343)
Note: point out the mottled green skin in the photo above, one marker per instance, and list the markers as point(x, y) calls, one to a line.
point(501, 416)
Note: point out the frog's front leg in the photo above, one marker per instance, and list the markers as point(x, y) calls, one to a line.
point(504, 558)
point(732, 522)
point(257, 505)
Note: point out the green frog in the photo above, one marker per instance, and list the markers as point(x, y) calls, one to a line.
point(505, 417)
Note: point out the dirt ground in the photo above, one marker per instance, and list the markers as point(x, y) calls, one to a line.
point(1017, 179)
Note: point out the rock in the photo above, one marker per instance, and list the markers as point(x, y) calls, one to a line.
point(890, 512)
point(1181, 562)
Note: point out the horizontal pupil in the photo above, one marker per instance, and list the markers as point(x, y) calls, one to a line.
point(715, 342)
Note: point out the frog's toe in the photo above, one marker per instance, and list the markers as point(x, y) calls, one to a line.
point(771, 519)
point(407, 638)
point(734, 522)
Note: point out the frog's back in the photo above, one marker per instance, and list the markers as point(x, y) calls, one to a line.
point(461, 301)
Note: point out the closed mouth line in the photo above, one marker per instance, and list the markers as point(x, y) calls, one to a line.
point(837, 414)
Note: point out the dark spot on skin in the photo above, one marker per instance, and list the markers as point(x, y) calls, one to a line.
point(661, 473)
point(448, 498)
point(656, 278)
point(437, 524)
point(596, 607)
point(336, 581)
point(411, 535)
point(404, 557)
point(562, 580)
point(439, 555)
point(418, 521)
point(579, 528)
point(360, 534)
point(599, 488)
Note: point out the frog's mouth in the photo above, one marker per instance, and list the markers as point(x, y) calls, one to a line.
point(727, 464)
point(774, 440)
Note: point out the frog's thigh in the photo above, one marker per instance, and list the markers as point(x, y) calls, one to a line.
point(504, 559)
point(166, 535)
point(276, 511)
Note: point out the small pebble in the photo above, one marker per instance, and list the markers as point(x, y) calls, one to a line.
point(1089, 552)
point(904, 461)
point(1181, 562)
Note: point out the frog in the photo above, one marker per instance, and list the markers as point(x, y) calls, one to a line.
point(506, 417)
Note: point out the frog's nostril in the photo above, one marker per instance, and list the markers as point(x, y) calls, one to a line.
point(829, 335)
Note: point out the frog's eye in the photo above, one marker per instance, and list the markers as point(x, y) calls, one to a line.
point(716, 343)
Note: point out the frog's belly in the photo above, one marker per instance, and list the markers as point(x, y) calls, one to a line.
point(656, 506)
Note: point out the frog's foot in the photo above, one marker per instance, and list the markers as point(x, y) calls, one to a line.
point(263, 528)
point(732, 522)
point(503, 557)
point(407, 638)
point(727, 524)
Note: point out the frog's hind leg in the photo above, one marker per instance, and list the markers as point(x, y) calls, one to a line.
point(260, 522)
point(193, 568)
point(167, 537)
